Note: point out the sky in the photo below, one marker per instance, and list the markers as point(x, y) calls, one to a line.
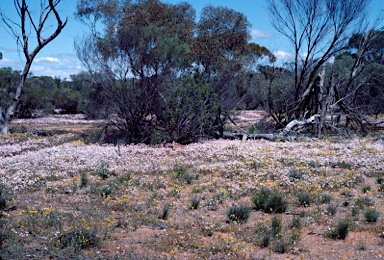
point(58, 58)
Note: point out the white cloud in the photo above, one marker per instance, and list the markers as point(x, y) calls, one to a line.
point(257, 34)
point(283, 55)
point(55, 65)
point(47, 59)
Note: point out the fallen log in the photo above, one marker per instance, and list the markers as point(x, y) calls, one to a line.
point(293, 126)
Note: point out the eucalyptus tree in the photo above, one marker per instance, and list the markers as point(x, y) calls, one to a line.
point(220, 49)
point(134, 59)
point(22, 30)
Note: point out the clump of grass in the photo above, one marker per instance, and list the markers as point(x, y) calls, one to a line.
point(194, 203)
point(304, 199)
point(103, 171)
point(366, 189)
point(276, 226)
point(296, 222)
point(165, 212)
point(342, 165)
point(78, 239)
point(83, 180)
point(295, 175)
point(239, 213)
point(124, 178)
point(269, 201)
point(325, 198)
point(281, 246)
point(371, 215)
point(364, 201)
point(331, 209)
point(341, 230)
point(380, 180)
point(355, 211)
point(180, 172)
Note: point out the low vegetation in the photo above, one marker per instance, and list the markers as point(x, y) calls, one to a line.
point(63, 198)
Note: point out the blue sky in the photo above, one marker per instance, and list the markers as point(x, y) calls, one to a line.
point(58, 58)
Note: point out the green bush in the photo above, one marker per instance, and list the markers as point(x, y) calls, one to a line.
point(239, 213)
point(331, 209)
point(365, 189)
point(304, 199)
point(165, 213)
point(78, 239)
point(269, 201)
point(194, 203)
point(341, 230)
point(83, 180)
point(103, 171)
point(276, 226)
point(325, 198)
point(371, 215)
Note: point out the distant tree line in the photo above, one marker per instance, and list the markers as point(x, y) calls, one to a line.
point(159, 76)
point(44, 94)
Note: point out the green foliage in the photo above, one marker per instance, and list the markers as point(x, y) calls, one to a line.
point(103, 171)
point(331, 209)
point(371, 215)
point(366, 189)
point(269, 201)
point(325, 198)
point(296, 222)
point(364, 201)
point(355, 211)
point(304, 198)
point(276, 226)
point(238, 213)
point(194, 203)
point(295, 175)
point(83, 180)
point(341, 230)
point(165, 213)
point(78, 239)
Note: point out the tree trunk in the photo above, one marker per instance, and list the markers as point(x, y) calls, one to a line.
point(4, 127)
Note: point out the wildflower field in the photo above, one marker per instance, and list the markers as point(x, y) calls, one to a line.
point(64, 198)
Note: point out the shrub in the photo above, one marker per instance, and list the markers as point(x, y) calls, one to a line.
point(331, 209)
point(304, 199)
point(260, 199)
point(165, 213)
point(325, 198)
point(296, 222)
point(371, 215)
point(78, 239)
point(295, 175)
point(363, 201)
point(83, 180)
point(239, 213)
point(181, 172)
point(194, 203)
point(355, 211)
point(380, 180)
point(269, 201)
point(103, 171)
point(341, 230)
point(276, 227)
point(365, 189)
